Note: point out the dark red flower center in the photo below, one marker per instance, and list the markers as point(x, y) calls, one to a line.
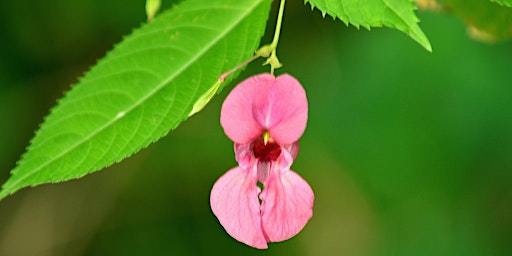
point(266, 152)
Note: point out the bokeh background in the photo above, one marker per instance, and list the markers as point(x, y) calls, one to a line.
point(408, 152)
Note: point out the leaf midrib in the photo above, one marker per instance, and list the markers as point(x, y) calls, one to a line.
point(143, 99)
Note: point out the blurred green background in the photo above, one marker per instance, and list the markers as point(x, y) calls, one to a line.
point(408, 152)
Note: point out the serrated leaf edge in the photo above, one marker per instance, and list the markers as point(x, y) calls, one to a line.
point(406, 30)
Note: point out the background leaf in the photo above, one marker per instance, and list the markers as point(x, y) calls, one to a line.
point(486, 20)
point(398, 14)
point(503, 2)
point(146, 86)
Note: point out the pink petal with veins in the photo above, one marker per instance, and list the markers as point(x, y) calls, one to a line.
point(234, 200)
point(287, 205)
point(263, 102)
point(236, 116)
point(282, 109)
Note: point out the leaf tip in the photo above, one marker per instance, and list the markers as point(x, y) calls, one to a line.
point(422, 39)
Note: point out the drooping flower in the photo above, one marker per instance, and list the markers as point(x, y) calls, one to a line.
point(264, 116)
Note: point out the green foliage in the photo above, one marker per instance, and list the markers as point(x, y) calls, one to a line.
point(487, 21)
point(398, 14)
point(142, 89)
point(503, 2)
point(408, 151)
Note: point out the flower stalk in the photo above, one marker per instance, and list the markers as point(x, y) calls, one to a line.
point(269, 51)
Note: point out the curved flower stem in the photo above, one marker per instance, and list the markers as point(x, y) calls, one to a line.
point(239, 66)
point(208, 95)
point(269, 51)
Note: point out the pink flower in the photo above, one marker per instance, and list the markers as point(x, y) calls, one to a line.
point(264, 116)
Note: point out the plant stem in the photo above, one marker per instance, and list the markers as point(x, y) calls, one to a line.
point(229, 72)
point(269, 51)
point(278, 24)
point(273, 60)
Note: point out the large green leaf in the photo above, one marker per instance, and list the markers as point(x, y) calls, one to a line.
point(142, 89)
point(398, 14)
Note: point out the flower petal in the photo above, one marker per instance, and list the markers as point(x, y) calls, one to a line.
point(244, 156)
point(282, 108)
point(234, 200)
point(287, 205)
point(236, 116)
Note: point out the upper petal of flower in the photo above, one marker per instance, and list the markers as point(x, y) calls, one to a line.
point(234, 200)
point(287, 205)
point(236, 116)
point(263, 102)
point(281, 108)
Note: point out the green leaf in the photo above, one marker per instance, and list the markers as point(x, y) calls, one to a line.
point(142, 89)
point(152, 7)
point(503, 2)
point(486, 20)
point(397, 14)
